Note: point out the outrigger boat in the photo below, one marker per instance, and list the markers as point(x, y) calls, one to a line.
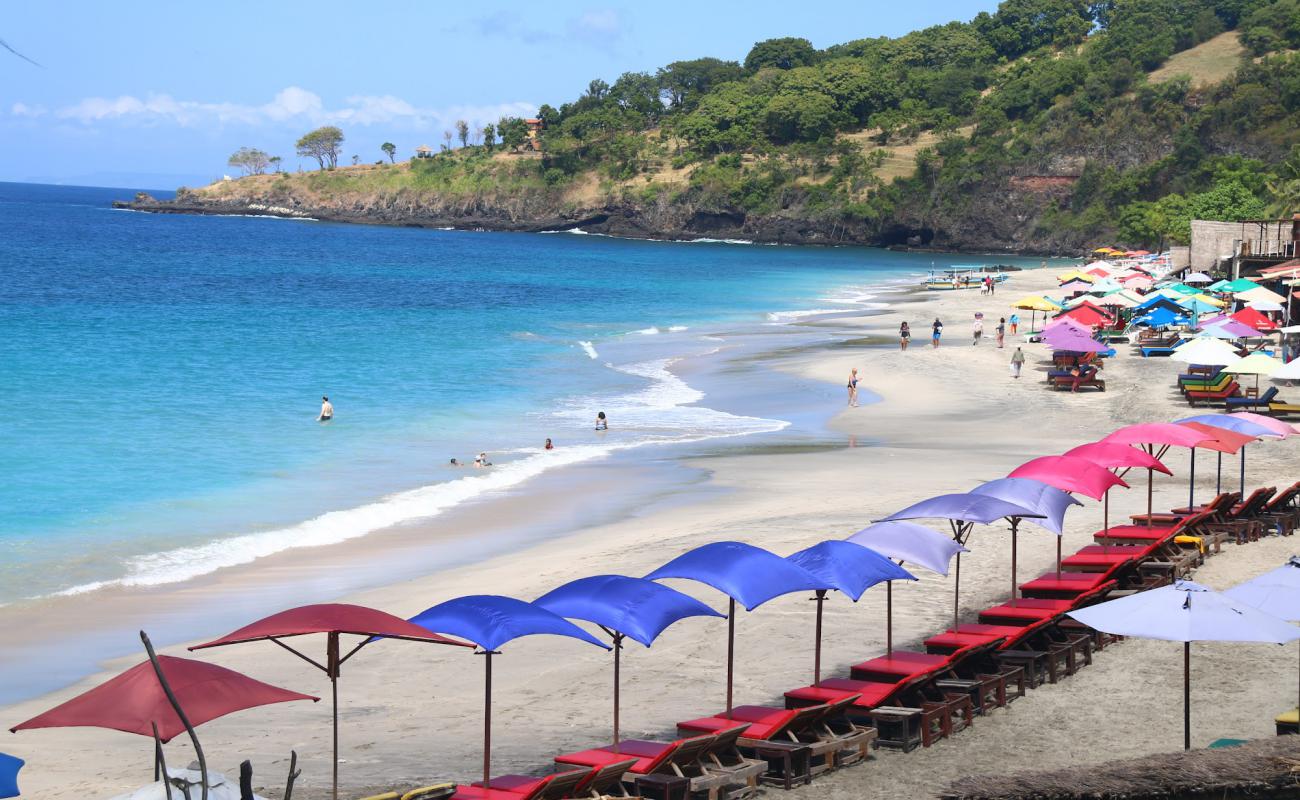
point(962, 278)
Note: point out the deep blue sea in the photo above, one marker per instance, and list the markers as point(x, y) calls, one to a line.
point(162, 374)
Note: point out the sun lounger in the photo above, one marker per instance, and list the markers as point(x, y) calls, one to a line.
point(1233, 389)
point(1288, 722)
point(438, 791)
point(1180, 517)
point(1239, 403)
point(556, 786)
point(1155, 351)
point(679, 759)
point(1281, 409)
point(1280, 513)
point(1087, 380)
point(772, 736)
point(1066, 585)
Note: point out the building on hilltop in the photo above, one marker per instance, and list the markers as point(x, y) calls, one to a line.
point(1242, 249)
point(535, 128)
point(424, 151)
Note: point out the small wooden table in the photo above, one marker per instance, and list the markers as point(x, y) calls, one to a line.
point(898, 727)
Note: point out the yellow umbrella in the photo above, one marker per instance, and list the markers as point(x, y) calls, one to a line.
point(1205, 298)
point(1035, 302)
point(1076, 275)
point(1106, 250)
point(1255, 364)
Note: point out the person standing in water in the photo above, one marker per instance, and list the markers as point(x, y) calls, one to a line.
point(549, 446)
point(936, 330)
point(326, 410)
point(904, 336)
point(602, 424)
point(853, 387)
point(1017, 361)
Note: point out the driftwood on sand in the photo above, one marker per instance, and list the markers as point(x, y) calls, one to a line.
point(1264, 768)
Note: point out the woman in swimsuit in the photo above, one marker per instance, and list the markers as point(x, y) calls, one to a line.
point(602, 424)
point(904, 336)
point(853, 387)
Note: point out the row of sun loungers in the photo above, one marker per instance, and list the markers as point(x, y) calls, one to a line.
point(1211, 385)
point(909, 699)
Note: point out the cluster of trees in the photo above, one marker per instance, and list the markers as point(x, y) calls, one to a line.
point(252, 161)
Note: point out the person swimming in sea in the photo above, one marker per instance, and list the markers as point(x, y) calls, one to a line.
point(482, 461)
point(326, 410)
point(454, 463)
point(548, 445)
point(602, 424)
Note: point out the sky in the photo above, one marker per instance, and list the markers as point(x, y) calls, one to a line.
point(151, 94)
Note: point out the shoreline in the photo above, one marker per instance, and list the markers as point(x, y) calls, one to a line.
point(947, 419)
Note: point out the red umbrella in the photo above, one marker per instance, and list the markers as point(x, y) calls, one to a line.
point(1069, 474)
point(134, 701)
point(1156, 438)
point(333, 620)
point(1116, 456)
point(1220, 440)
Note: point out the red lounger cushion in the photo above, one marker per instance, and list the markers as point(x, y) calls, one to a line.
point(1125, 550)
point(872, 693)
point(1133, 532)
point(1097, 559)
point(1068, 582)
point(955, 641)
point(1011, 634)
point(521, 784)
point(763, 721)
point(649, 755)
point(903, 664)
point(1024, 613)
point(479, 793)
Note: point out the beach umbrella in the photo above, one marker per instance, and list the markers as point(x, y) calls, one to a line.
point(747, 575)
point(489, 621)
point(1182, 289)
point(1185, 612)
point(1264, 305)
point(1075, 343)
point(1101, 265)
point(1197, 305)
point(1219, 440)
point(849, 568)
point(1226, 328)
point(1050, 502)
point(1113, 456)
point(1236, 424)
point(963, 512)
point(334, 620)
point(1076, 285)
point(1284, 430)
point(1236, 285)
point(9, 766)
point(1104, 286)
point(1259, 293)
point(1156, 438)
point(1138, 281)
point(1069, 474)
point(1198, 277)
point(1208, 300)
point(1251, 316)
point(1033, 303)
point(1161, 318)
point(162, 698)
point(1205, 350)
point(1276, 592)
point(1074, 275)
point(1254, 364)
point(624, 608)
point(1118, 299)
point(909, 543)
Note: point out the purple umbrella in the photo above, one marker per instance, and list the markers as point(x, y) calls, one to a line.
point(1076, 343)
point(962, 511)
point(1037, 496)
point(911, 543)
point(1228, 328)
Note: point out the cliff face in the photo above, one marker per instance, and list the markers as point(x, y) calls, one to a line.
point(1000, 218)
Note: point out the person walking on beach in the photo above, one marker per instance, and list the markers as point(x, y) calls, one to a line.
point(326, 410)
point(936, 331)
point(977, 330)
point(1014, 322)
point(602, 424)
point(1017, 361)
point(853, 387)
point(904, 336)
point(993, 285)
point(1001, 331)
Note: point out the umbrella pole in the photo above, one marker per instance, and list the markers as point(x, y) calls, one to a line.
point(180, 712)
point(487, 719)
point(956, 592)
point(1243, 473)
point(1105, 522)
point(1058, 557)
point(160, 762)
point(889, 618)
point(1187, 695)
point(731, 649)
point(332, 664)
point(817, 651)
point(1191, 482)
point(1014, 581)
point(618, 649)
point(1218, 474)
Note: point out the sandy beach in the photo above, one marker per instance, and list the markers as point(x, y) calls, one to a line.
point(947, 419)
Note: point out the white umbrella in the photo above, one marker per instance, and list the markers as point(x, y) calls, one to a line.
point(1205, 350)
point(1198, 277)
point(1255, 364)
point(1186, 612)
point(1276, 592)
point(1264, 305)
point(1290, 371)
point(1260, 293)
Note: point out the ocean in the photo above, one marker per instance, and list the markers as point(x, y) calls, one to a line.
point(163, 373)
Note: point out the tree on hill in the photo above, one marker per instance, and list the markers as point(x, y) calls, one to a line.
point(275, 162)
point(685, 82)
point(446, 140)
point(784, 53)
point(489, 136)
point(513, 132)
point(251, 160)
point(322, 144)
point(462, 132)
point(390, 150)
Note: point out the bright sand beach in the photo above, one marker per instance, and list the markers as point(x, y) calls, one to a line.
point(947, 419)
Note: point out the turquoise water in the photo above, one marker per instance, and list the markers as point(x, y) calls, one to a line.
point(163, 373)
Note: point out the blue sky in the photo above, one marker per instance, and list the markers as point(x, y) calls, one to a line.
point(156, 94)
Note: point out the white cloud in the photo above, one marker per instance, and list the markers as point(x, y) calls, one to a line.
point(24, 110)
point(292, 104)
point(604, 23)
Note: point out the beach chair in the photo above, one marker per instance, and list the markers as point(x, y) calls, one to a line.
point(942, 713)
point(677, 762)
point(1088, 379)
point(1288, 722)
point(556, 786)
point(1278, 408)
point(438, 791)
point(773, 737)
point(1239, 403)
point(724, 757)
point(1232, 389)
point(606, 781)
point(1216, 384)
point(1280, 513)
point(1159, 350)
point(1178, 517)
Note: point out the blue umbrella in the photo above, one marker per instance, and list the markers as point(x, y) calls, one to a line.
point(1276, 592)
point(1186, 612)
point(963, 512)
point(745, 574)
point(623, 607)
point(489, 621)
point(907, 542)
point(848, 567)
point(1050, 502)
point(9, 766)
point(1228, 422)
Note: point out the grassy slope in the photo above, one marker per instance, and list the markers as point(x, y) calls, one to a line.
point(1207, 63)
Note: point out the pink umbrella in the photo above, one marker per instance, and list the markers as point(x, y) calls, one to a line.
point(1069, 474)
point(1156, 438)
point(1116, 456)
point(1283, 429)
